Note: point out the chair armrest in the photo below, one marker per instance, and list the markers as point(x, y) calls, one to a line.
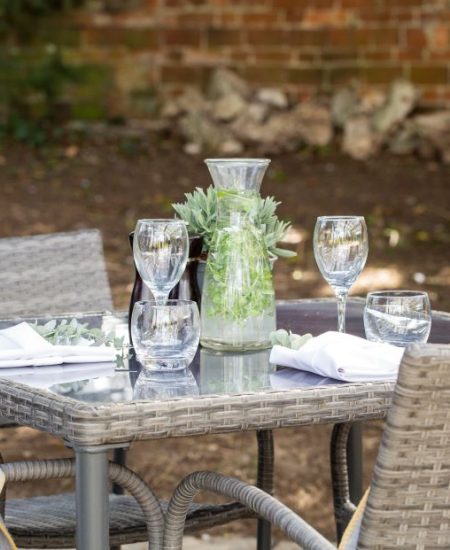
point(65, 468)
point(255, 499)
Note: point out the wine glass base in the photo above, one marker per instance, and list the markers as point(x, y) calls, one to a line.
point(162, 364)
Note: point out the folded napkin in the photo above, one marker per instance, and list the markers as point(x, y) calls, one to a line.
point(22, 346)
point(342, 357)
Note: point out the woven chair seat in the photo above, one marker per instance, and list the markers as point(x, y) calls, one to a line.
point(49, 522)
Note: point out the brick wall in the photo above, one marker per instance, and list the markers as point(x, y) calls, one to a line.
point(307, 46)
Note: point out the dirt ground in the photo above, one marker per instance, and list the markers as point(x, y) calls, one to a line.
point(109, 183)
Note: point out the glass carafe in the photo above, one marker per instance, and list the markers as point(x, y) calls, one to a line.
point(238, 300)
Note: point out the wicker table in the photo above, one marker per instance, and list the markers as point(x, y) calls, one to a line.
point(231, 393)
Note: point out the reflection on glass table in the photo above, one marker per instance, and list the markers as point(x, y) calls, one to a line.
point(211, 373)
point(157, 385)
point(115, 388)
point(222, 372)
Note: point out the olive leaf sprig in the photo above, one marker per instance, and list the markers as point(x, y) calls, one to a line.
point(71, 332)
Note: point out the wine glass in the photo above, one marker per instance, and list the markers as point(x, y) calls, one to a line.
point(398, 317)
point(340, 248)
point(160, 249)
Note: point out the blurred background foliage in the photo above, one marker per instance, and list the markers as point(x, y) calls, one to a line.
point(34, 76)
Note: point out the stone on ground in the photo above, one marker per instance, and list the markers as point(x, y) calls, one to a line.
point(274, 97)
point(359, 140)
point(400, 102)
point(224, 82)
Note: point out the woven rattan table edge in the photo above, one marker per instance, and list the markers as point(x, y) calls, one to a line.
point(87, 424)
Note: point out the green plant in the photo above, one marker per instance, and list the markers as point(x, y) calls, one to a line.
point(287, 339)
point(72, 332)
point(33, 77)
point(199, 211)
point(32, 98)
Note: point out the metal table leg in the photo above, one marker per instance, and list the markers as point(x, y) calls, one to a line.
point(265, 482)
point(92, 499)
point(355, 463)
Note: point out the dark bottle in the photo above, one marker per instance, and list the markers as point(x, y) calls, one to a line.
point(186, 289)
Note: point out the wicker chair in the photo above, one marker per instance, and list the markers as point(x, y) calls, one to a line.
point(55, 273)
point(408, 505)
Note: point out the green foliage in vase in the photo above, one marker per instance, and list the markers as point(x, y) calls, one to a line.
point(199, 211)
point(238, 255)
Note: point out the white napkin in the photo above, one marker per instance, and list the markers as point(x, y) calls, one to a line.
point(343, 357)
point(22, 346)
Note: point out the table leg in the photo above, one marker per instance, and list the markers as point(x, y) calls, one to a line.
point(92, 499)
point(265, 482)
point(355, 463)
point(119, 457)
point(264, 535)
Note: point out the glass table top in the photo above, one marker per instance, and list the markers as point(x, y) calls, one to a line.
point(211, 373)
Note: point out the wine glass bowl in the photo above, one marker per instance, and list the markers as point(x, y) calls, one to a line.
point(340, 248)
point(160, 248)
point(398, 317)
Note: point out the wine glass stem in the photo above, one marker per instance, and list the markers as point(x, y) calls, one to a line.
point(341, 305)
point(161, 297)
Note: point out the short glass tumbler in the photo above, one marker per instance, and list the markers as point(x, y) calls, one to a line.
point(398, 317)
point(165, 336)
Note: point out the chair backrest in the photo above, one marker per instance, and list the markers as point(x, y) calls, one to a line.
point(54, 273)
point(409, 499)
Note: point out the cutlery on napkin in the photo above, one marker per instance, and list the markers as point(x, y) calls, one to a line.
point(22, 346)
point(342, 357)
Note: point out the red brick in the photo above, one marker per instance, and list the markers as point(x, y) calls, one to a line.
point(330, 17)
point(338, 75)
point(357, 38)
point(266, 74)
point(262, 19)
point(229, 18)
point(409, 55)
point(266, 37)
point(380, 55)
point(439, 36)
point(183, 73)
point(357, 3)
point(194, 19)
point(282, 56)
point(382, 74)
point(306, 75)
point(429, 74)
point(224, 37)
point(415, 39)
point(386, 15)
point(289, 4)
point(440, 56)
point(307, 38)
point(181, 37)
